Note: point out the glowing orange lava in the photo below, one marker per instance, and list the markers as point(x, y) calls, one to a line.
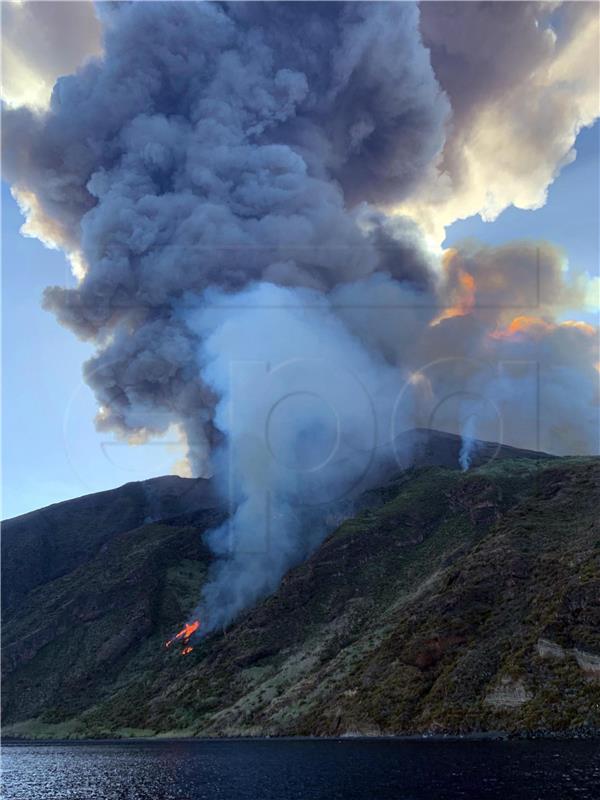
point(184, 636)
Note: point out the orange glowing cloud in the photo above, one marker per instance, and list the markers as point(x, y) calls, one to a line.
point(536, 328)
point(584, 327)
point(463, 295)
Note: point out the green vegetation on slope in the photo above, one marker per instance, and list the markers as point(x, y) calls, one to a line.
point(455, 602)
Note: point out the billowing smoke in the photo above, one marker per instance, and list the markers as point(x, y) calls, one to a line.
point(523, 79)
point(208, 147)
point(306, 406)
point(218, 179)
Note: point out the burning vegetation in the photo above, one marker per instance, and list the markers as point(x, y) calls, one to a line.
point(184, 637)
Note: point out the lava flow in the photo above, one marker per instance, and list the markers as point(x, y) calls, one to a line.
point(184, 636)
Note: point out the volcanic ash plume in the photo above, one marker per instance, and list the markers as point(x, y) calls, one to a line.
point(218, 179)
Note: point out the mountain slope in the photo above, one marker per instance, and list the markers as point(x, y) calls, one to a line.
point(43, 545)
point(454, 602)
point(76, 636)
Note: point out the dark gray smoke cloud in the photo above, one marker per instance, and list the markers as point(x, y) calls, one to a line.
point(217, 179)
point(213, 146)
point(374, 112)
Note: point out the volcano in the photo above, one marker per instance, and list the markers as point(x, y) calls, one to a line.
point(449, 601)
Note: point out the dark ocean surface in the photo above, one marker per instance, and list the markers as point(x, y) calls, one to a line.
point(348, 769)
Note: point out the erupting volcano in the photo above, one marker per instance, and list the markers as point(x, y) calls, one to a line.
point(255, 200)
point(184, 636)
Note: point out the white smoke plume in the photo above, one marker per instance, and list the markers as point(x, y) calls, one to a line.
point(469, 442)
point(218, 178)
point(306, 406)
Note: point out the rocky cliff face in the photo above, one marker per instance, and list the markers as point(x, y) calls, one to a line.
point(453, 602)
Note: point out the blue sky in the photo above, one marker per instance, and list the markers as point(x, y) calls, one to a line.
point(51, 450)
point(570, 217)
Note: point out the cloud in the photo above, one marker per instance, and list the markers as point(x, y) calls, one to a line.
point(207, 147)
point(522, 79)
point(41, 41)
point(313, 387)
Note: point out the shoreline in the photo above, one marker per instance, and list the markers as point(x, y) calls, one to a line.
point(491, 736)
